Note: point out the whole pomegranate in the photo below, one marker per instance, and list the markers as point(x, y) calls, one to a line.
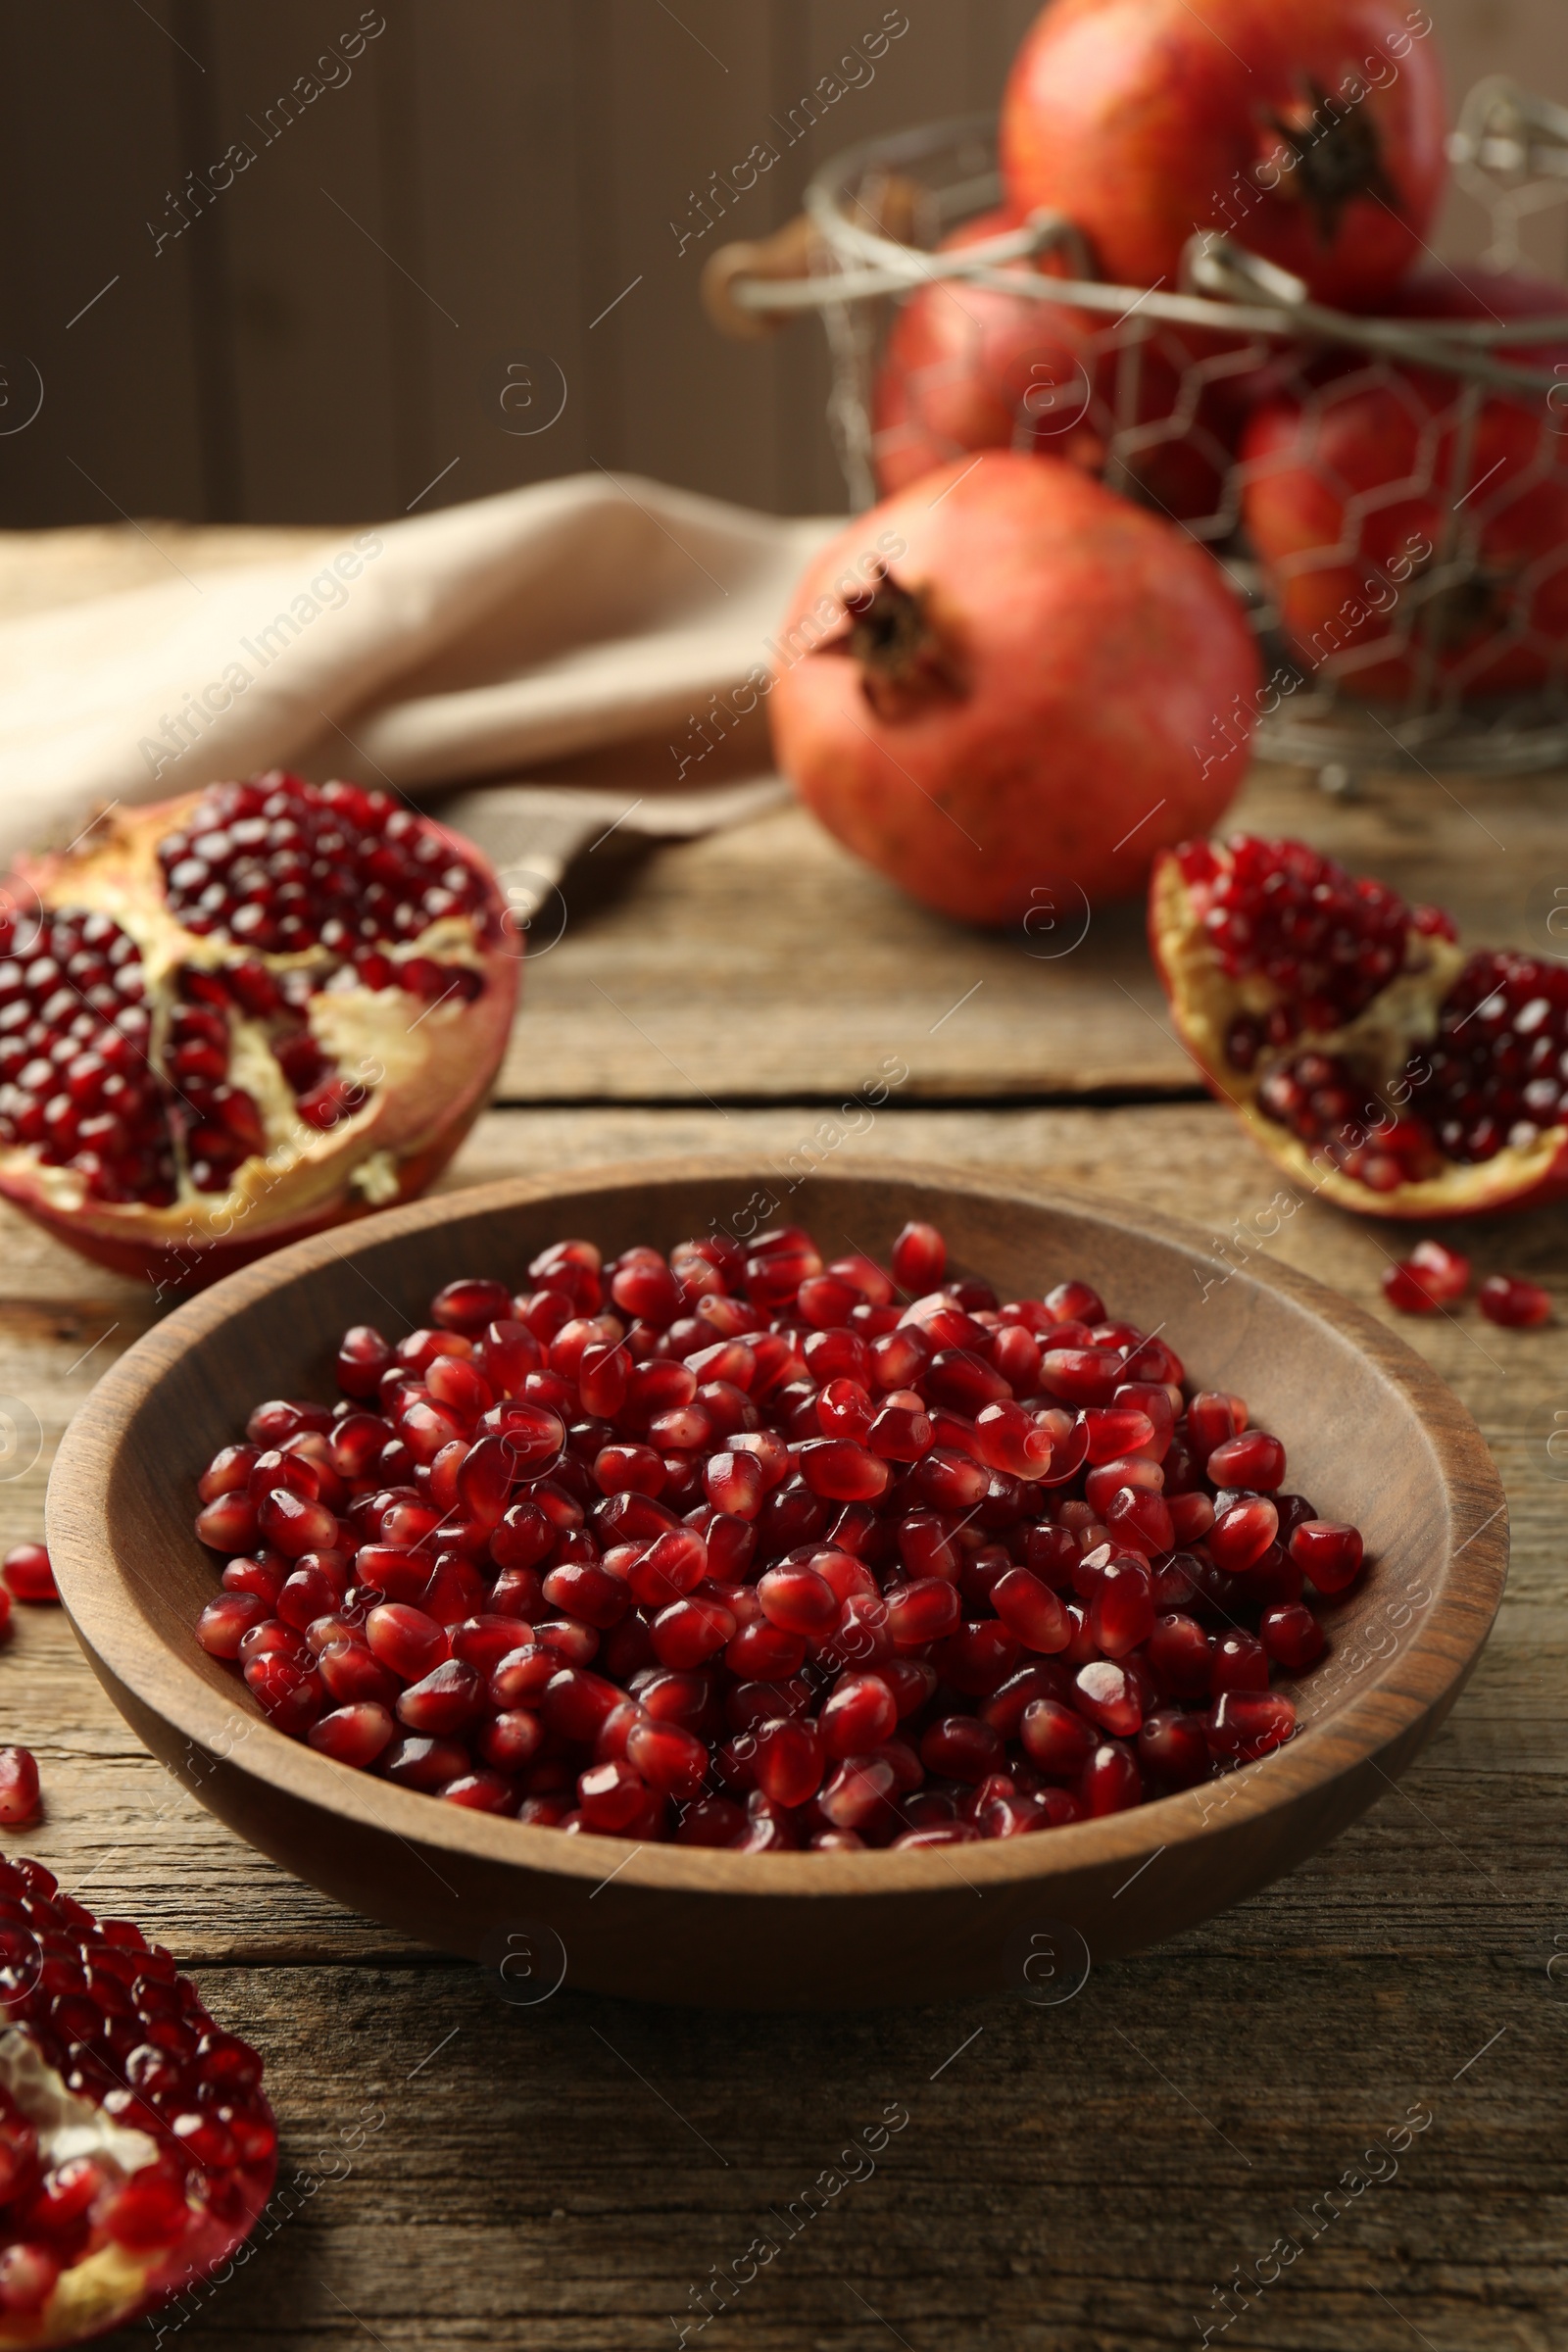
point(1311, 130)
point(1407, 535)
point(1013, 707)
point(969, 367)
point(137, 2148)
point(1376, 1063)
point(235, 1017)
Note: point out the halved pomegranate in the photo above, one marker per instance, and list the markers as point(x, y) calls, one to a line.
point(231, 1020)
point(1377, 1063)
point(136, 2147)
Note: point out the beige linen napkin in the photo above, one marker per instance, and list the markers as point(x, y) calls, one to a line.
point(474, 643)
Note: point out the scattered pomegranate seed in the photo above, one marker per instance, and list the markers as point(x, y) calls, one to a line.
point(736, 1549)
point(19, 1785)
point(1509, 1300)
point(27, 1573)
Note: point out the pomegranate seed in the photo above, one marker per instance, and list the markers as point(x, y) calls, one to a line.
point(1178, 1652)
point(352, 1675)
point(354, 1735)
point(799, 1602)
point(292, 1695)
point(1238, 1662)
point(789, 1762)
point(670, 1760)
point(575, 1702)
point(441, 1700)
point(674, 1565)
point(1113, 1430)
point(1111, 1780)
point(1404, 1289)
point(1172, 1748)
point(224, 1621)
point(1328, 1552)
point(857, 1791)
point(19, 1785)
point(859, 1715)
point(1106, 1693)
point(1141, 1520)
point(1121, 1612)
point(1242, 1725)
point(843, 1471)
point(949, 1481)
point(920, 1258)
point(1242, 1534)
point(1290, 1636)
point(1031, 1610)
point(1012, 1441)
point(1057, 1737)
point(1082, 1376)
point(1444, 1273)
point(480, 1792)
point(405, 1639)
point(1517, 1304)
point(961, 1748)
point(1253, 1460)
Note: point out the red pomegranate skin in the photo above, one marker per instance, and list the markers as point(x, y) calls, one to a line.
point(1083, 646)
point(967, 367)
point(1323, 477)
point(1150, 120)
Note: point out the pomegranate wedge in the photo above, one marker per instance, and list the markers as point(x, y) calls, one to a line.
point(136, 2147)
point(1375, 1061)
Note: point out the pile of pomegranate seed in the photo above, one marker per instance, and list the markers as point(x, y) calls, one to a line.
point(337, 876)
point(749, 1551)
point(130, 2121)
point(1496, 1075)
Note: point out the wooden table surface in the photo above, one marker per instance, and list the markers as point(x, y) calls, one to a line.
point(1080, 2179)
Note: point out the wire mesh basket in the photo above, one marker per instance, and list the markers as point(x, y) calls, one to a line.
point(1388, 495)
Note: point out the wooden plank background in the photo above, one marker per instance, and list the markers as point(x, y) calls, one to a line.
point(328, 338)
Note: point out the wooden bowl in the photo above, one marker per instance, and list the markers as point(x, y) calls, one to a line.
point(1373, 1437)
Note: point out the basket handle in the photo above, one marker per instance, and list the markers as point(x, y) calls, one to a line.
point(790, 252)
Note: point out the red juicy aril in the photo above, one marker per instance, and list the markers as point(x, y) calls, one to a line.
point(1373, 1059)
point(241, 1015)
point(136, 2147)
point(744, 1549)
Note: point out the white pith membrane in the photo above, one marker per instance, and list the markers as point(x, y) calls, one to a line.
point(415, 1058)
point(109, 2284)
point(1378, 1045)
